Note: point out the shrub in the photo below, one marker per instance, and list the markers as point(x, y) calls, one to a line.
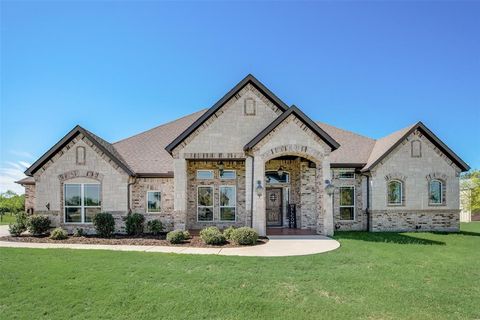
point(213, 236)
point(228, 232)
point(176, 236)
point(58, 234)
point(104, 224)
point(155, 227)
point(134, 224)
point(244, 236)
point(79, 232)
point(186, 234)
point(38, 224)
point(19, 226)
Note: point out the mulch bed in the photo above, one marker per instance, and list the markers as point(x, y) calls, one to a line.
point(145, 240)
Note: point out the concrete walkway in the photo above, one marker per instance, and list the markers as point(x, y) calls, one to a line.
point(277, 246)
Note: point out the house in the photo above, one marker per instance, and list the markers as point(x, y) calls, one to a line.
point(251, 160)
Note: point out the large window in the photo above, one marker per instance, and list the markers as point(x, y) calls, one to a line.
point(395, 192)
point(82, 202)
point(227, 203)
point(436, 192)
point(347, 203)
point(205, 203)
point(154, 200)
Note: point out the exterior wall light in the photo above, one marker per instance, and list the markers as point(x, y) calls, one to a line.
point(329, 188)
point(221, 167)
point(259, 188)
point(280, 171)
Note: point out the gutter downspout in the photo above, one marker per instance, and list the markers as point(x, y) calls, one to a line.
point(367, 211)
point(129, 206)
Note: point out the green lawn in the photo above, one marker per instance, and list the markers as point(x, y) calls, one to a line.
point(7, 219)
point(372, 276)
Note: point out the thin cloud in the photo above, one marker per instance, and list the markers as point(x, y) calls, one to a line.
point(11, 172)
point(23, 154)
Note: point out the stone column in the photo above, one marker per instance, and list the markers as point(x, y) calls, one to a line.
point(259, 217)
point(248, 190)
point(180, 194)
point(327, 211)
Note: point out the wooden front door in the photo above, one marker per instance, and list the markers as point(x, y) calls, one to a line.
point(274, 206)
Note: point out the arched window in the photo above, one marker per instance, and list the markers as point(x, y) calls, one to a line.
point(435, 192)
point(395, 192)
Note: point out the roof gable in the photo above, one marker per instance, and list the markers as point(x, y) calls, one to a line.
point(103, 145)
point(301, 116)
point(219, 104)
point(387, 144)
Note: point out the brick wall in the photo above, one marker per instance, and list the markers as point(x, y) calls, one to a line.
point(411, 220)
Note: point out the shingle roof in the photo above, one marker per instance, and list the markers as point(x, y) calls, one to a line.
point(145, 152)
point(27, 180)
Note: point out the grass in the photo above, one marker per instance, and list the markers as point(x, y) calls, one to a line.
point(372, 276)
point(7, 219)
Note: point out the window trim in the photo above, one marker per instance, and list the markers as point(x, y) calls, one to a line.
point(79, 160)
point(419, 148)
point(395, 204)
point(231, 170)
point(213, 203)
point(205, 170)
point(345, 171)
point(146, 202)
point(220, 206)
point(442, 186)
point(82, 204)
point(340, 206)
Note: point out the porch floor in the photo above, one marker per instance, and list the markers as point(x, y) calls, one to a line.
point(289, 232)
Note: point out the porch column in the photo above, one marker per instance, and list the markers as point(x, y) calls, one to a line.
point(180, 194)
point(259, 218)
point(248, 190)
point(327, 200)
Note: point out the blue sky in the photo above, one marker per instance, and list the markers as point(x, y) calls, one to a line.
point(119, 68)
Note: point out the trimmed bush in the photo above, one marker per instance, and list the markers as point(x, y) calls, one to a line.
point(244, 236)
point(37, 224)
point(212, 236)
point(104, 224)
point(186, 234)
point(155, 227)
point(176, 236)
point(20, 225)
point(228, 232)
point(79, 232)
point(134, 224)
point(58, 234)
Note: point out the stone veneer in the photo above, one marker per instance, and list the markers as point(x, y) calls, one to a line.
point(360, 221)
point(139, 199)
point(192, 183)
point(29, 198)
point(415, 220)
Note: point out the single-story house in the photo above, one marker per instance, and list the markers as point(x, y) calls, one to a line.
point(251, 160)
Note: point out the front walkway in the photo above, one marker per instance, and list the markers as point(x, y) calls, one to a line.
point(277, 246)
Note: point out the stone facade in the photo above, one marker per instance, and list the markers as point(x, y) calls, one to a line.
point(63, 168)
point(415, 172)
point(192, 184)
point(29, 198)
point(360, 221)
point(139, 199)
point(410, 220)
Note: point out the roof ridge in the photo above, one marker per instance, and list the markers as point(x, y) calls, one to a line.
point(161, 125)
point(344, 130)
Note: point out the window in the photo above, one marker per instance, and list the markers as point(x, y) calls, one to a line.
point(204, 174)
point(272, 177)
point(154, 200)
point(436, 192)
point(416, 146)
point(347, 203)
point(80, 155)
point(82, 202)
point(227, 203)
point(228, 174)
point(205, 203)
point(395, 192)
point(346, 174)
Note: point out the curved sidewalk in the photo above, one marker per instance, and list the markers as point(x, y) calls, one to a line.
point(277, 246)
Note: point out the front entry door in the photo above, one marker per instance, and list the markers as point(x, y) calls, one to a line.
point(274, 207)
